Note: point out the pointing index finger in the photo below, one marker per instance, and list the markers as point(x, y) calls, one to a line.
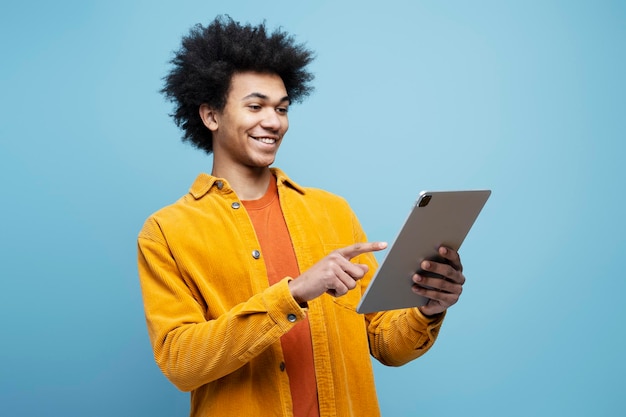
point(351, 251)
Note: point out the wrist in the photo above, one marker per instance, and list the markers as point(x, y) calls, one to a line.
point(430, 316)
point(295, 293)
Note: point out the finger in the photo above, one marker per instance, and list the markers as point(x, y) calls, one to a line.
point(452, 256)
point(349, 279)
point(354, 271)
point(338, 288)
point(444, 270)
point(356, 249)
point(437, 284)
point(445, 299)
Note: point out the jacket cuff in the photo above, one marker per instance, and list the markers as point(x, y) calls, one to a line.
point(282, 307)
point(432, 324)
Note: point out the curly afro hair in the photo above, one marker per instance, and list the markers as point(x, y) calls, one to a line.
point(208, 58)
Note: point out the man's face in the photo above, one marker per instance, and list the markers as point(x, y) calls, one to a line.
point(250, 128)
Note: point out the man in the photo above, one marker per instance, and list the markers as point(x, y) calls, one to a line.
point(250, 281)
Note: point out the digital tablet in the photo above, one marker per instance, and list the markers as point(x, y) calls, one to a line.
point(437, 218)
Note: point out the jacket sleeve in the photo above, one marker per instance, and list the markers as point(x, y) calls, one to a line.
point(399, 336)
point(190, 349)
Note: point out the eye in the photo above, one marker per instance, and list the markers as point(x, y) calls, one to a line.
point(254, 107)
point(282, 110)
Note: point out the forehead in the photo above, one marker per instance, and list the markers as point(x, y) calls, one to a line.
point(244, 84)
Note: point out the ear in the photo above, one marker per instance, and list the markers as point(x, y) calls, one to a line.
point(209, 117)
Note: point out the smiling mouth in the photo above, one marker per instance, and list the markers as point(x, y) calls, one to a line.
point(269, 141)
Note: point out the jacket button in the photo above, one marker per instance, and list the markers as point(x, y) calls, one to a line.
point(282, 366)
point(292, 318)
point(235, 205)
point(256, 254)
point(220, 185)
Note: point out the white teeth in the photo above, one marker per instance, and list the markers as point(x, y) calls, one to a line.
point(266, 140)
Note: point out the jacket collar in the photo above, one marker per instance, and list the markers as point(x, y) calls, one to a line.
point(206, 182)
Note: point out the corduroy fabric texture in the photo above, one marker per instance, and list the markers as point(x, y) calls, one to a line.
point(215, 322)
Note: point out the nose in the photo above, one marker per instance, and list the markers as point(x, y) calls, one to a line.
point(271, 120)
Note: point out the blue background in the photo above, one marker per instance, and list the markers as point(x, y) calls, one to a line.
point(526, 98)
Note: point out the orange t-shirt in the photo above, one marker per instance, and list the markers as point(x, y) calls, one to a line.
point(280, 261)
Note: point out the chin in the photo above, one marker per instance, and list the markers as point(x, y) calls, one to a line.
point(265, 162)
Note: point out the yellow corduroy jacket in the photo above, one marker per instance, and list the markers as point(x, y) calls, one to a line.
point(215, 323)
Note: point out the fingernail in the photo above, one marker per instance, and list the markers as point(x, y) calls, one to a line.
point(443, 250)
point(425, 264)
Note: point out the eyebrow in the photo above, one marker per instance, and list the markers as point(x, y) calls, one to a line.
point(265, 97)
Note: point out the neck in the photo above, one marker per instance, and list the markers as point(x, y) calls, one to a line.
point(248, 184)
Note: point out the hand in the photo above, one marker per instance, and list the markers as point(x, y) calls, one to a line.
point(445, 291)
point(334, 274)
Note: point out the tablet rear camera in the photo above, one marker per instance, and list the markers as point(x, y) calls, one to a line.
point(425, 200)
